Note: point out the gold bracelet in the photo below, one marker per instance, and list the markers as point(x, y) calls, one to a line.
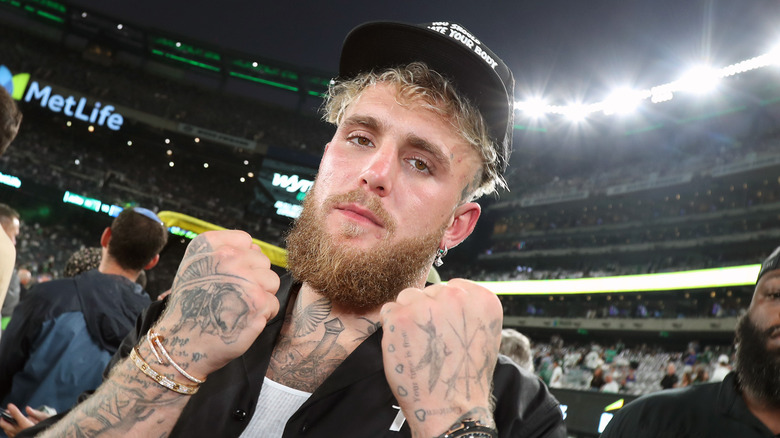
point(155, 342)
point(159, 378)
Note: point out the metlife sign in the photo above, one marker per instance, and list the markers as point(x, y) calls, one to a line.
point(77, 107)
point(72, 107)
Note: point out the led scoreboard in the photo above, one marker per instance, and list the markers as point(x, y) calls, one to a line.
point(282, 187)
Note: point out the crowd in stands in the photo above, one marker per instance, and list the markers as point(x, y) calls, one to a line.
point(710, 303)
point(596, 176)
point(166, 98)
point(634, 370)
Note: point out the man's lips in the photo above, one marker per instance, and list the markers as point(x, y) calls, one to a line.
point(354, 209)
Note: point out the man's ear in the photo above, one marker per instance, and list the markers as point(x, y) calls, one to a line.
point(105, 238)
point(463, 223)
point(152, 263)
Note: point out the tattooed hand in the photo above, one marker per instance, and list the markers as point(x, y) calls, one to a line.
point(439, 349)
point(222, 297)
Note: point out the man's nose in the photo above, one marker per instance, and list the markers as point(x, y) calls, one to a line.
point(380, 171)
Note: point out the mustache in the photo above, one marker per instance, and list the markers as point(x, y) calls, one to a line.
point(772, 332)
point(365, 200)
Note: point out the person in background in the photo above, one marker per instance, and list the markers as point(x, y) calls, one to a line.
point(722, 368)
point(517, 347)
point(745, 404)
point(9, 283)
point(83, 260)
point(597, 381)
point(670, 379)
point(62, 335)
point(610, 384)
point(10, 120)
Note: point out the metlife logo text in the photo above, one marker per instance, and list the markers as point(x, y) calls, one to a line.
point(71, 106)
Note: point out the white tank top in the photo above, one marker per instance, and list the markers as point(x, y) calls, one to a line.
point(276, 404)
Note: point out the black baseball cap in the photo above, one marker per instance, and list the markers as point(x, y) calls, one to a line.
point(452, 51)
point(770, 264)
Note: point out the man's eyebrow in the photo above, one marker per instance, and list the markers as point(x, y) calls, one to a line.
point(364, 121)
point(436, 151)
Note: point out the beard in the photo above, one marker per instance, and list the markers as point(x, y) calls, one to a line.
point(758, 367)
point(354, 278)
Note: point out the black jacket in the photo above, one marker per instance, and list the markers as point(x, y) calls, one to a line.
point(354, 401)
point(709, 410)
point(62, 335)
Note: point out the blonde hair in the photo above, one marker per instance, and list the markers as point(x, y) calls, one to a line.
point(417, 83)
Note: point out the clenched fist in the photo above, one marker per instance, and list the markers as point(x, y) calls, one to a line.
point(439, 349)
point(222, 297)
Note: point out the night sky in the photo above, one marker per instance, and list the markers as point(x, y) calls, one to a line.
point(562, 49)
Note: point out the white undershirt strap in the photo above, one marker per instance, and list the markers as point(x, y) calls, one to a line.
point(276, 404)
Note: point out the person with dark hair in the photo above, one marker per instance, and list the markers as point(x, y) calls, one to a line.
point(350, 343)
point(745, 404)
point(64, 332)
point(83, 260)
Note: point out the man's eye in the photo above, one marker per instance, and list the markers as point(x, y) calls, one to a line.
point(362, 141)
point(419, 164)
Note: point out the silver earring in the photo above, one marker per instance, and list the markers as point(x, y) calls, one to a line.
point(440, 254)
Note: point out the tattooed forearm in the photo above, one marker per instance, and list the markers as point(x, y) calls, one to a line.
point(124, 403)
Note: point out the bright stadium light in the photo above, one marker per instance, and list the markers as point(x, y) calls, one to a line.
point(534, 107)
point(622, 101)
point(576, 112)
point(699, 80)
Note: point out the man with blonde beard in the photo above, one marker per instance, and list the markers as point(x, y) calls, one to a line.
point(745, 404)
point(352, 343)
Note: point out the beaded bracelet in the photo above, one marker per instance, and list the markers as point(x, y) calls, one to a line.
point(159, 378)
point(155, 342)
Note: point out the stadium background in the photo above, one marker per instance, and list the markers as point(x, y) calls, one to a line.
point(208, 130)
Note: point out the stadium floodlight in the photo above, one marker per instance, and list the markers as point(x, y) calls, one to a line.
point(623, 101)
point(534, 108)
point(576, 113)
point(661, 93)
point(699, 80)
point(774, 55)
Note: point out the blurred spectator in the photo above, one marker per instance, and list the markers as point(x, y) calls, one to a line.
point(610, 385)
point(687, 378)
point(517, 346)
point(702, 376)
point(83, 260)
point(598, 380)
point(62, 335)
point(9, 281)
point(670, 378)
point(556, 378)
point(722, 368)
